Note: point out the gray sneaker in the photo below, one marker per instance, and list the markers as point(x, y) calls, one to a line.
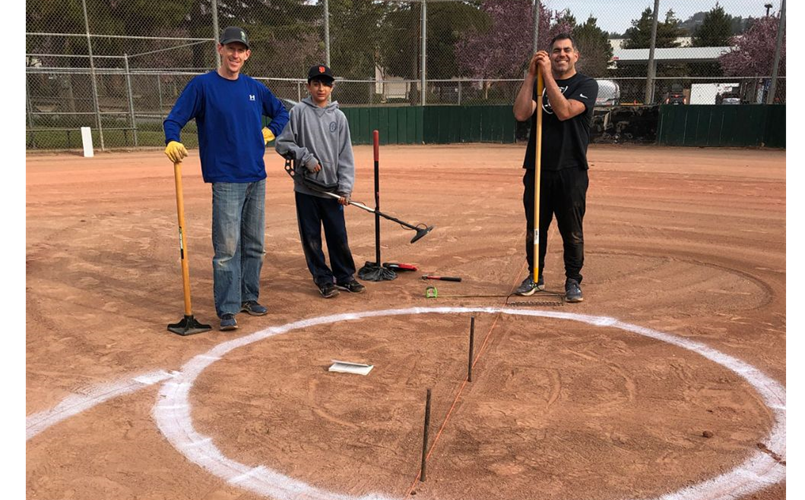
point(528, 287)
point(351, 286)
point(228, 322)
point(328, 290)
point(573, 291)
point(254, 308)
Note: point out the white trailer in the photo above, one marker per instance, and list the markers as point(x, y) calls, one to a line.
point(705, 93)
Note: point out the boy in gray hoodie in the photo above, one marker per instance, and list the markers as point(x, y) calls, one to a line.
point(317, 136)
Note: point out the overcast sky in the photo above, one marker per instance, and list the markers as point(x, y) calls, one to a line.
point(617, 15)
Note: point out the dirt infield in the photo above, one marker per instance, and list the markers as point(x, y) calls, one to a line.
point(664, 378)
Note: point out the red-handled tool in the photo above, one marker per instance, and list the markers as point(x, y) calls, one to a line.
point(441, 278)
point(396, 266)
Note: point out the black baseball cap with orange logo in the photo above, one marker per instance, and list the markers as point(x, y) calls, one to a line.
point(320, 72)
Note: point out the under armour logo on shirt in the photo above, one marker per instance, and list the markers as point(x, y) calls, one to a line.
point(251, 97)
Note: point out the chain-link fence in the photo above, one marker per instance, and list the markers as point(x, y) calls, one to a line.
point(118, 67)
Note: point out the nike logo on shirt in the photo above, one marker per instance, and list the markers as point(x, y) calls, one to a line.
point(584, 96)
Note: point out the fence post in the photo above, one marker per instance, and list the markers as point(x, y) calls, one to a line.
point(777, 50)
point(92, 77)
point(459, 92)
point(298, 91)
point(424, 14)
point(327, 32)
point(131, 99)
point(651, 66)
point(215, 31)
point(536, 27)
point(29, 112)
point(159, 96)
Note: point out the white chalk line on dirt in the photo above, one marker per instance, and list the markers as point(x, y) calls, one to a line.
point(172, 413)
point(76, 403)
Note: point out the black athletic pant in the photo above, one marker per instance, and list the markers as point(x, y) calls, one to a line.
point(562, 193)
point(311, 213)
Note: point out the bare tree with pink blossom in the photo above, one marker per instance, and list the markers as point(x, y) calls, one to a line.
point(504, 49)
point(753, 51)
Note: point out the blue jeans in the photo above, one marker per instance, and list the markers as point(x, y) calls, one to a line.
point(238, 231)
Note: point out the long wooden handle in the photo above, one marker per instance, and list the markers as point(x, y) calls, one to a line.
point(537, 173)
point(177, 173)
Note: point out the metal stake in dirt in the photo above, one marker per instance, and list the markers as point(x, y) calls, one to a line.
point(376, 148)
point(472, 341)
point(425, 438)
point(537, 173)
point(373, 271)
point(188, 325)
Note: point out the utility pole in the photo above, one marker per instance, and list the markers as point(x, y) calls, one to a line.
point(777, 50)
point(651, 66)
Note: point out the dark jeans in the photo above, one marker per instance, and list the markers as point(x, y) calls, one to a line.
point(312, 212)
point(562, 193)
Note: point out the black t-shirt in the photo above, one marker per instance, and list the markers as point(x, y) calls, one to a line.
point(564, 143)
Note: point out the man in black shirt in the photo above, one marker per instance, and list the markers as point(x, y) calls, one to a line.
point(567, 103)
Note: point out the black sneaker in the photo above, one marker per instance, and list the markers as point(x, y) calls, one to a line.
point(352, 286)
point(228, 322)
point(253, 308)
point(328, 290)
point(573, 291)
point(528, 287)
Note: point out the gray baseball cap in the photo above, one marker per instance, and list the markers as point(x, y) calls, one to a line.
point(235, 34)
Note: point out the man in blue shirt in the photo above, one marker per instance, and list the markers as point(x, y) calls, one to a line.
point(228, 108)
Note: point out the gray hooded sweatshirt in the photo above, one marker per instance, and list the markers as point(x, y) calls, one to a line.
point(321, 134)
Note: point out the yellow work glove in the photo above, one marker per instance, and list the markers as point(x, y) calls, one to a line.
point(268, 135)
point(175, 151)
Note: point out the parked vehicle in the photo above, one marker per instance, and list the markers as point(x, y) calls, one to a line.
point(676, 96)
point(609, 93)
point(730, 98)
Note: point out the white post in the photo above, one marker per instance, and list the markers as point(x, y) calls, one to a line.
point(86, 139)
point(424, 55)
point(327, 32)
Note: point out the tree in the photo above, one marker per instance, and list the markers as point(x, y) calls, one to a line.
point(564, 21)
point(400, 45)
point(291, 57)
point(753, 52)
point(504, 46)
point(354, 37)
point(399, 49)
point(593, 45)
point(691, 24)
point(639, 35)
point(447, 21)
point(285, 35)
point(500, 48)
point(738, 24)
point(715, 29)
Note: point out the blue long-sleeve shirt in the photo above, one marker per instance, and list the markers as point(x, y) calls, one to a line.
point(228, 115)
